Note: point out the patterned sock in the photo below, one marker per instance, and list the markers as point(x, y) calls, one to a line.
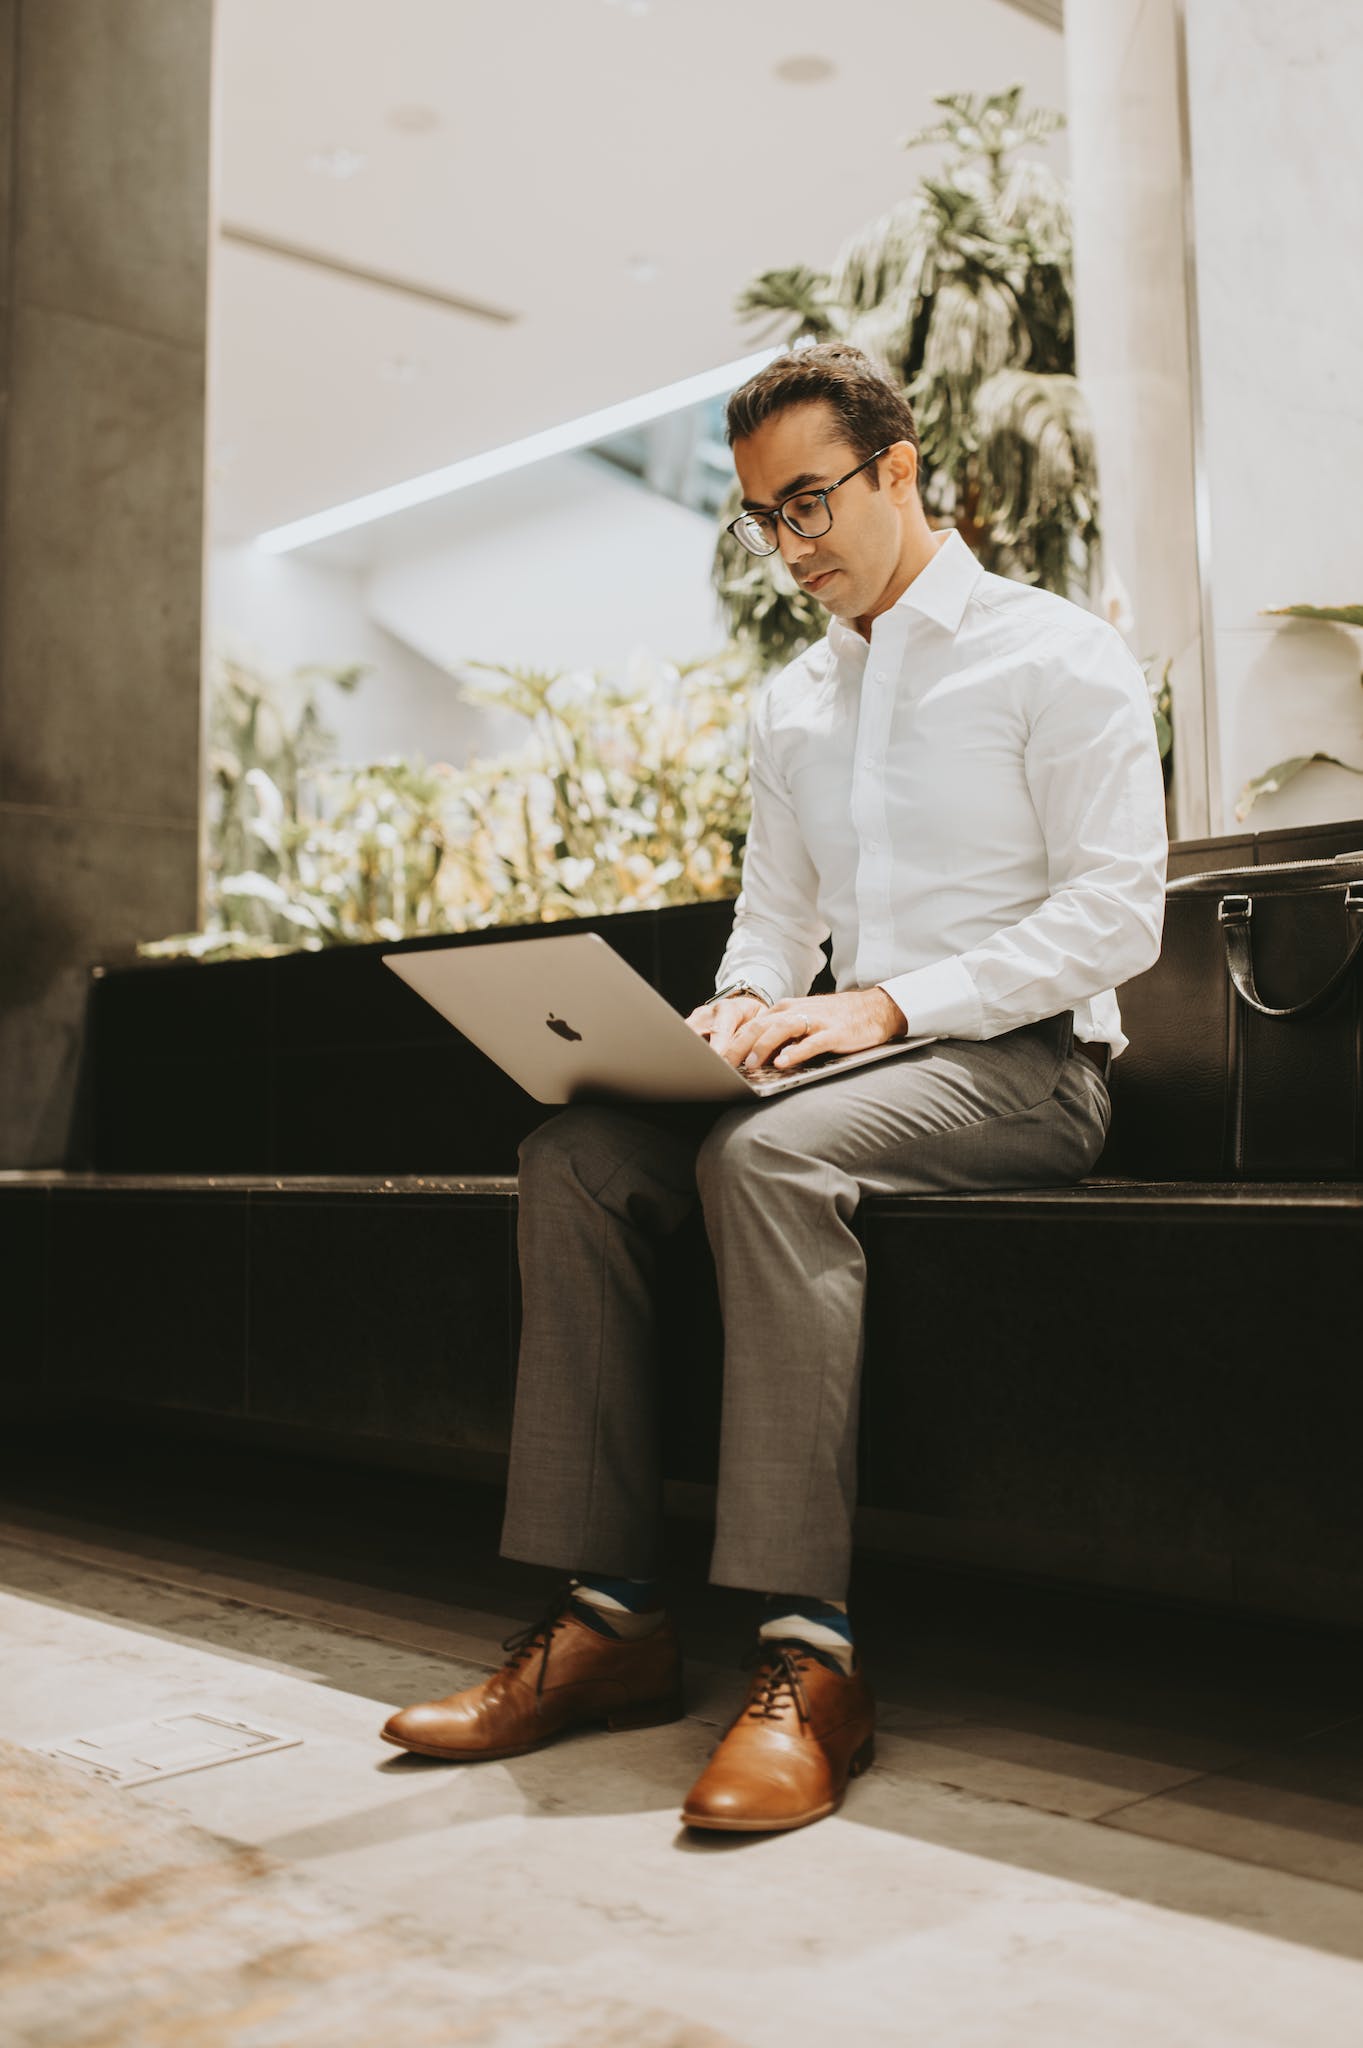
point(628, 1608)
point(820, 1624)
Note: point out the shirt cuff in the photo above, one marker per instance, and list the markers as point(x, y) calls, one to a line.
point(940, 1001)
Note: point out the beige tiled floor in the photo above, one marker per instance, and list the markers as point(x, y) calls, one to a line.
point(1045, 1854)
point(1298, 1809)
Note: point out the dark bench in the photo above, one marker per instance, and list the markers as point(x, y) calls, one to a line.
point(1141, 1382)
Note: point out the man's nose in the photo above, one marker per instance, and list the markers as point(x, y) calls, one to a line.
point(794, 546)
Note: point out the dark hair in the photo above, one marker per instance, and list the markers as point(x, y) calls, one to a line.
point(871, 410)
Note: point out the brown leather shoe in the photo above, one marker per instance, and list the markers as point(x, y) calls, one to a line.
point(804, 1730)
point(561, 1674)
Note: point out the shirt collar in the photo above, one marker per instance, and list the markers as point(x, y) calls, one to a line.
point(940, 592)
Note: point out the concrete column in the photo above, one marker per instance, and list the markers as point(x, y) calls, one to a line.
point(1132, 319)
point(104, 242)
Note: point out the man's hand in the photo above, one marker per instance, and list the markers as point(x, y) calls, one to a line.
point(719, 1021)
point(854, 1021)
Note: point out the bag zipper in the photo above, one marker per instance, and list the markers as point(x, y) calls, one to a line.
point(1268, 867)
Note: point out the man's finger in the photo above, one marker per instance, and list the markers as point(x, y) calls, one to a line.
point(787, 1028)
point(724, 1023)
point(801, 1049)
point(764, 1042)
point(751, 1032)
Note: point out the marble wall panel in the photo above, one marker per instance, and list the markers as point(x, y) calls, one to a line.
point(113, 164)
point(1274, 165)
point(74, 890)
point(100, 645)
point(1277, 168)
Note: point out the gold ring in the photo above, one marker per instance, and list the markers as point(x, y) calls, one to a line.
point(808, 1027)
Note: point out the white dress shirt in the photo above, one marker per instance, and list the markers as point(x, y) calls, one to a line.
point(971, 805)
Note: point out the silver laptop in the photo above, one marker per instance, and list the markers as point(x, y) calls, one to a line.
point(571, 1021)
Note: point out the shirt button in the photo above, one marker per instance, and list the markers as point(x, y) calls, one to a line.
point(880, 675)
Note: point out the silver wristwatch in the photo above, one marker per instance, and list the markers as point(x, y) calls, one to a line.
point(741, 988)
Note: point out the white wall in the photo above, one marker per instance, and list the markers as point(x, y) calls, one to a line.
point(1277, 149)
point(283, 611)
point(563, 565)
point(567, 564)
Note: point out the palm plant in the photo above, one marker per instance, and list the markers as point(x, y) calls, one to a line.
point(964, 294)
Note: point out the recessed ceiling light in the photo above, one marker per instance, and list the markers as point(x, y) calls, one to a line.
point(401, 369)
point(804, 70)
point(415, 120)
point(641, 269)
point(631, 6)
point(336, 163)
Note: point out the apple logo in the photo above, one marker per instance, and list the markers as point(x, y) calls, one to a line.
point(564, 1030)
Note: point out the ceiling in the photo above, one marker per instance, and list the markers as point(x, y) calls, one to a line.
point(446, 224)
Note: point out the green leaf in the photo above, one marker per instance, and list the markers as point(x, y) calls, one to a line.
point(251, 883)
point(1339, 614)
point(1279, 776)
point(800, 291)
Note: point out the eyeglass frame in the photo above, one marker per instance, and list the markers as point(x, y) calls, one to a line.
point(779, 511)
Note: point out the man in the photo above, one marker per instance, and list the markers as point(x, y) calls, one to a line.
point(961, 785)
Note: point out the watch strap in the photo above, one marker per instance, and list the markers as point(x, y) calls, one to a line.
point(741, 988)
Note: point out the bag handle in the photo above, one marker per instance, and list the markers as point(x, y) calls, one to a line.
point(1234, 913)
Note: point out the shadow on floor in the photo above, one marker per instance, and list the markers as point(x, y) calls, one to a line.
point(1202, 1763)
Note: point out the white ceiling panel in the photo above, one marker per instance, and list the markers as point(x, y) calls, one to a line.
point(563, 139)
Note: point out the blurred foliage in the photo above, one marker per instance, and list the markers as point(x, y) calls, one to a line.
point(1157, 682)
point(1333, 614)
point(629, 792)
point(964, 294)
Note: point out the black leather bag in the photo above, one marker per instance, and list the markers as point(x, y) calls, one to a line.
point(1246, 1052)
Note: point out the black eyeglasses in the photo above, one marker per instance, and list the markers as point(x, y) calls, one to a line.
point(806, 513)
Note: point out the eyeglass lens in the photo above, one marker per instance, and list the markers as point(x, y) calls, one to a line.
point(806, 515)
point(809, 516)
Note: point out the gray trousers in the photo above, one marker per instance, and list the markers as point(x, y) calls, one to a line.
point(779, 1183)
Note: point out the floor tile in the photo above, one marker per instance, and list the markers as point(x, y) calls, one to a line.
point(962, 1895)
point(1083, 1780)
point(1298, 1808)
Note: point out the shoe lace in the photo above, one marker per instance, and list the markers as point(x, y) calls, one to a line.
point(537, 1635)
point(780, 1676)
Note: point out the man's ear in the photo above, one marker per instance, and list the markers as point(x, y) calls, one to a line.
point(901, 470)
